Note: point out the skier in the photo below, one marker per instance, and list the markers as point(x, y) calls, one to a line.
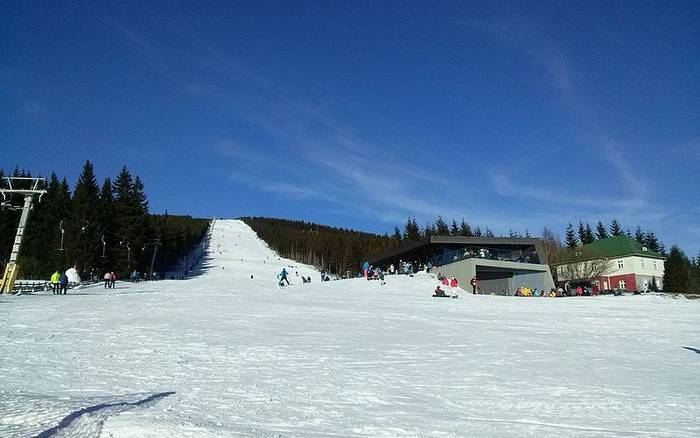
point(63, 283)
point(54, 282)
point(475, 284)
point(283, 277)
point(107, 278)
point(112, 279)
point(365, 269)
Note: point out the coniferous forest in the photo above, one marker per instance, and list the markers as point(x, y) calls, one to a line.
point(336, 250)
point(68, 228)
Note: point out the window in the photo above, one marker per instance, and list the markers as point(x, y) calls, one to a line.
point(620, 264)
point(622, 284)
point(642, 263)
point(654, 265)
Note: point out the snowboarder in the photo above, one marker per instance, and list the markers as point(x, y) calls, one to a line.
point(63, 284)
point(283, 277)
point(475, 284)
point(54, 282)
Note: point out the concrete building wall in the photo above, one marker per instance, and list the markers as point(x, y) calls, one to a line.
point(533, 280)
point(532, 275)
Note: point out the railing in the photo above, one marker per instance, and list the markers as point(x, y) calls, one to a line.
point(506, 255)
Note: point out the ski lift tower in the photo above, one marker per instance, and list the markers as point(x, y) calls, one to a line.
point(29, 188)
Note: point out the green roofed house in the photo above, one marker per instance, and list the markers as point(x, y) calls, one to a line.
point(619, 262)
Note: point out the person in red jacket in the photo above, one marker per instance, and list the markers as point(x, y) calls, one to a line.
point(475, 284)
point(453, 282)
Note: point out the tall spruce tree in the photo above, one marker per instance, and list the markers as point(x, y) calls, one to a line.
point(570, 237)
point(428, 230)
point(454, 229)
point(588, 235)
point(477, 231)
point(396, 237)
point(651, 242)
point(109, 226)
point(441, 227)
point(131, 221)
point(676, 271)
point(581, 232)
point(465, 229)
point(615, 228)
point(411, 230)
point(639, 236)
point(83, 246)
point(601, 231)
point(488, 232)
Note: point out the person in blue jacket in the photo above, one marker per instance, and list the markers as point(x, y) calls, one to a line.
point(283, 276)
point(365, 269)
point(62, 284)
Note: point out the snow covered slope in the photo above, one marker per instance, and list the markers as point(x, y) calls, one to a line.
point(225, 355)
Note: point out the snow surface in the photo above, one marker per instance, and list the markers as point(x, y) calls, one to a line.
point(222, 354)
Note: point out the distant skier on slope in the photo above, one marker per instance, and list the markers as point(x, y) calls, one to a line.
point(283, 277)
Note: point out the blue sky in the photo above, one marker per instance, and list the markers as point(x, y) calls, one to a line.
point(360, 114)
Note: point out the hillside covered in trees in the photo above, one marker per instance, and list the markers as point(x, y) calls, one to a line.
point(336, 250)
point(115, 212)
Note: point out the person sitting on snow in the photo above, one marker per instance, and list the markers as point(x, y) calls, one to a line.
point(439, 292)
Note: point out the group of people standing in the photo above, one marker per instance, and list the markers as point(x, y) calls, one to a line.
point(110, 280)
point(59, 283)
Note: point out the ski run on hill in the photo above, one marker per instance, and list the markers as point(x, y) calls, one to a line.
point(230, 353)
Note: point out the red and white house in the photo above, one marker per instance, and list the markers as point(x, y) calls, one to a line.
point(621, 262)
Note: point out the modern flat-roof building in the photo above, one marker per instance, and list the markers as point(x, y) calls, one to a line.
point(501, 264)
point(622, 262)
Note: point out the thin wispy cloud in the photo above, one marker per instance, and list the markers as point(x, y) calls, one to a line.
point(524, 36)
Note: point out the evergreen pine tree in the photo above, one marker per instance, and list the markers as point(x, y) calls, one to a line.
point(588, 235)
point(639, 236)
point(428, 230)
point(651, 242)
point(488, 232)
point(441, 227)
point(83, 231)
point(412, 231)
point(454, 229)
point(477, 232)
point(601, 232)
point(570, 237)
point(676, 270)
point(615, 228)
point(465, 229)
point(407, 230)
point(581, 232)
point(130, 219)
point(108, 224)
point(654, 285)
point(396, 237)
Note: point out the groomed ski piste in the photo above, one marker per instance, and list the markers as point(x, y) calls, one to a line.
point(222, 355)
